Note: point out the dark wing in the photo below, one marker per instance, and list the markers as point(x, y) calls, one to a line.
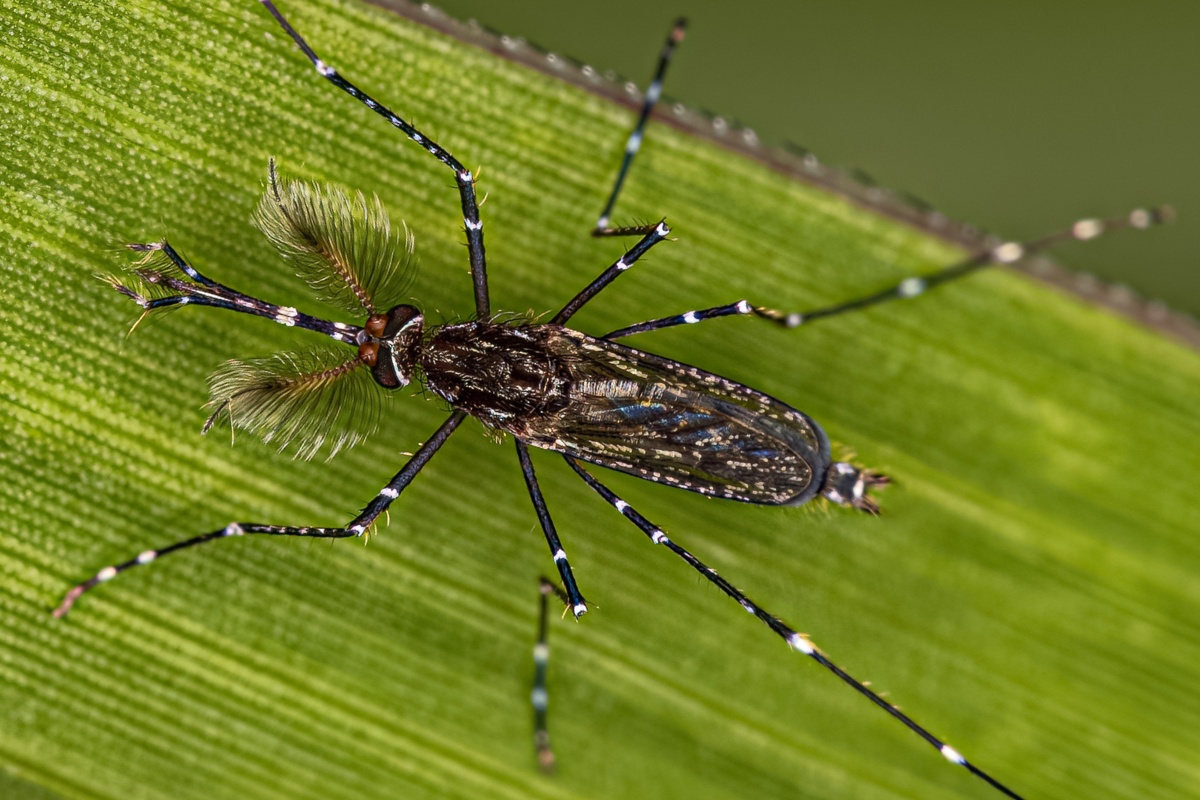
point(675, 424)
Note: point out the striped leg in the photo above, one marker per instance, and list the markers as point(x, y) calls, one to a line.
point(539, 697)
point(1006, 253)
point(797, 641)
point(910, 287)
point(575, 600)
point(741, 307)
point(634, 143)
point(466, 183)
point(357, 527)
point(654, 234)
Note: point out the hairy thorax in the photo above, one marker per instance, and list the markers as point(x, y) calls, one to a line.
point(503, 374)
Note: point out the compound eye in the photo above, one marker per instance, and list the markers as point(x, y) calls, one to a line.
point(388, 373)
point(398, 319)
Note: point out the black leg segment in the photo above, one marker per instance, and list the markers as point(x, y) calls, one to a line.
point(797, 641)
point(634, 143)
point(462, 176)
point(357, 527)
point(740, 308)
point(1006, 253)
point(654, 234)
point(575, 600)
point(539, 695)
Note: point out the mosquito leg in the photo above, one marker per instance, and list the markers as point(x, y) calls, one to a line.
point(629, 230)
point(357, 527)
point(653, 236)
point(149, 556)
point(541, 661)
point(741, 307)
point(634, 143)
point(577, 604)
point(797, 641)
point(466, 182)
point(1006, 253)
point(199, 290)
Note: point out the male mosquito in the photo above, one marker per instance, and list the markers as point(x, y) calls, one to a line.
point(589, 398)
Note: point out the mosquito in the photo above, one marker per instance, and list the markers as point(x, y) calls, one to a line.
point(591, 399)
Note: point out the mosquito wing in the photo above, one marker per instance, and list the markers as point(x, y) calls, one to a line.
point(675, 424)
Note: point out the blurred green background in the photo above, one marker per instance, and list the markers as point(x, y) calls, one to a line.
point(1018, 117)
point(1030, 591)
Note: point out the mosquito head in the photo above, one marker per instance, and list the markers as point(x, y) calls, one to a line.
point(390, 344)
point(847, 485)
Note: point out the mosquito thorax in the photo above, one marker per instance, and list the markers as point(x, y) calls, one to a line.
point(390, 344)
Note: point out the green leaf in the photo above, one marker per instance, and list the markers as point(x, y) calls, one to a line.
point(1029, 593)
